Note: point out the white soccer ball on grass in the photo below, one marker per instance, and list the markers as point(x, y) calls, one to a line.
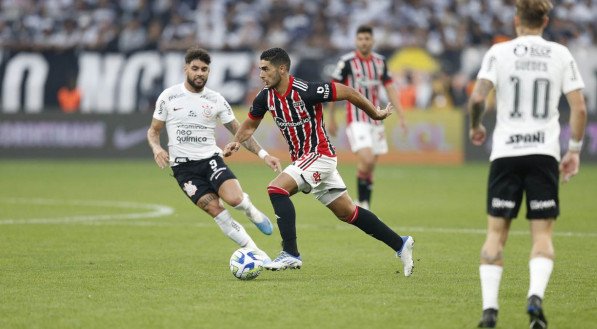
point(245, 264)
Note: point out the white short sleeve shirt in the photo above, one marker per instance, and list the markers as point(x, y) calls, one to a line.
point(529, 75)
point(191, 120)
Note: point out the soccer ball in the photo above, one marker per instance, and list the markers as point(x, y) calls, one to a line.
point(245, 264)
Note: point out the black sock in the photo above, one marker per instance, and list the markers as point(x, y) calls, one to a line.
point(286, 218)
point(372, 225)
point(365, 185)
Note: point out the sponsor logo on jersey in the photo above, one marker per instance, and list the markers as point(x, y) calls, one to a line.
point(284, 125)
point(497, 203)
point(192, 114)
point(161, 107)
point(175, 96)
point(538, 137)
point(539, 51)
point(530, 66)
point(325, 90)
point(542, 204)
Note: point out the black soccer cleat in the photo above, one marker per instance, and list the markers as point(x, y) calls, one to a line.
point(488, 319)
point(535, 310)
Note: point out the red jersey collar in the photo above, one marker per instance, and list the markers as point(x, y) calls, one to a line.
point(290, 81)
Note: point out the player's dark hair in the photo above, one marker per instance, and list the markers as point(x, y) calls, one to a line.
point(365, 29)
point(197, 53)
point(533, 12)
point(276, 56)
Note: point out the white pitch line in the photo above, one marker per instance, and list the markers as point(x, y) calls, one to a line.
point(156, 210)
point(149, 211)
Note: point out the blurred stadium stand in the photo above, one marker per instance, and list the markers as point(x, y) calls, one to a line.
point(117, 56)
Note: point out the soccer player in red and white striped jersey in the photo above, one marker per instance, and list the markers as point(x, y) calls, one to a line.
point(365, 71)
point(296, 107)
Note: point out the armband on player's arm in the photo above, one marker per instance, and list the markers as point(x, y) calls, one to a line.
point(262, 154)
point(574, 146)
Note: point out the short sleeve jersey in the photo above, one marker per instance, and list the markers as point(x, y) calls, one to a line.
point(191, 120)
point(529, 75)
point(299, 115)
point(366, 75)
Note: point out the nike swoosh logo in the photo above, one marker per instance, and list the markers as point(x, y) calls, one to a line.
point(176, 109)
point(123, 140)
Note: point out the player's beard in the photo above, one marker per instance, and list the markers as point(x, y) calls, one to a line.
point(275, 80)
point(197, 86)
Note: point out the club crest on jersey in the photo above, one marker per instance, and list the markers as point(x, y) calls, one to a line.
point(316, 177)
point(207, 110)
point(300, 105)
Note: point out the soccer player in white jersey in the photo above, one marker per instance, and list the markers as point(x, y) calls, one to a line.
point(529, 75)
point(190, 112)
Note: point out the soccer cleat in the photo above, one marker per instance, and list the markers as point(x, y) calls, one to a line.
point(263, 255)
point(488, 319)
point(260, 220)
point(406, 254)
point(535, 311)
point(284, 261)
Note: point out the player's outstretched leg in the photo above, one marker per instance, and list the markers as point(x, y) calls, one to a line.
point(535, 311)
point(369, 223)
point(255, 215)
point(489, 318)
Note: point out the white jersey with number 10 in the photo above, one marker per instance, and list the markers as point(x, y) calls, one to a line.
point(529, 75)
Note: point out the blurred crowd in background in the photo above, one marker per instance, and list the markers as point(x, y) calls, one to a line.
point(314, 28)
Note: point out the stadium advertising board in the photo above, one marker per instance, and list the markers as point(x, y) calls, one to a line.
point(432, 137)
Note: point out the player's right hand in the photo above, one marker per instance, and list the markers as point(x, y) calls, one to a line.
point(477, 135)
point(231, 148)
point(162, 158)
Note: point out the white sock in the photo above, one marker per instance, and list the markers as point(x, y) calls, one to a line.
point(491, 276)
point(249, 209)
point(540, 270)
point(234, 230)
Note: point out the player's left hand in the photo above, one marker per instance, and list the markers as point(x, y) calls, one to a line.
point(231, 148)
point(382, 114)
point(273, 163)
point(569, 165)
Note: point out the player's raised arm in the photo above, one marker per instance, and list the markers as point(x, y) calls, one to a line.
point(153, 138)
point(357, 99)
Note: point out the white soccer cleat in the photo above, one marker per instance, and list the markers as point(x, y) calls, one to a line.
point(262, 255)
point(406, 254)
point(284, 261)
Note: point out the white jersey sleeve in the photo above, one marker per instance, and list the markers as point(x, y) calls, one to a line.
point(225, 113)
point(161, 108)
point(572, 78)
point(489, 65)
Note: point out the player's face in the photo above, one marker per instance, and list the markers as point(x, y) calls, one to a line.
point(364, 43)
point(269, 74)
point(197, 73)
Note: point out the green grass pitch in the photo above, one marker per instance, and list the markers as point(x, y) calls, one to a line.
point(92, 245)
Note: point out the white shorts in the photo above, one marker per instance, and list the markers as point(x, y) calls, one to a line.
point(365, 135)
point(317, 174)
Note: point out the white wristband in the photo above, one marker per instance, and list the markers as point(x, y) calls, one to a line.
point(262, 153)
point(574, 146)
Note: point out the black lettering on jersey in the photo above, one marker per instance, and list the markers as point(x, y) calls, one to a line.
point(535, 138)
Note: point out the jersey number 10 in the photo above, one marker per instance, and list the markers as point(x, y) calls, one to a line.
point(540, 98)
